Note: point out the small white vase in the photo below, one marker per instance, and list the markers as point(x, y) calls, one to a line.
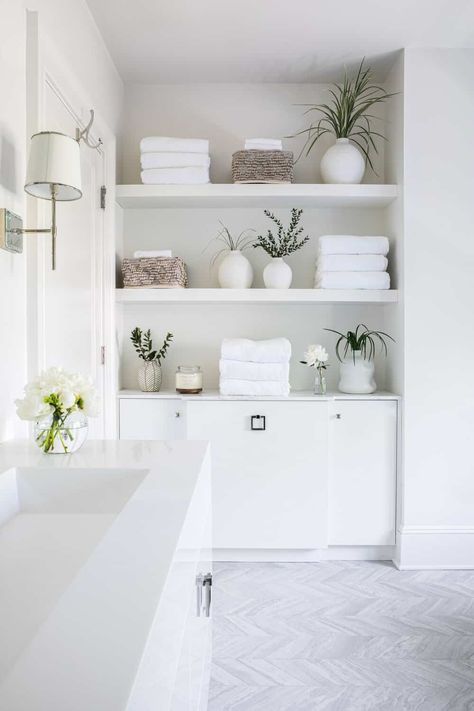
point(235, 271)
point(357, 375)
point(342, 163)
point(149, 377)
point(277, 274)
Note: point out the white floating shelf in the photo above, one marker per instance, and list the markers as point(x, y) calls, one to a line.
point(237, 195)
point(256, 296)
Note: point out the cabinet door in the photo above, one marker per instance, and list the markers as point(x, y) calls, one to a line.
point(362, 477)
point(148, 418)
point(269, 486)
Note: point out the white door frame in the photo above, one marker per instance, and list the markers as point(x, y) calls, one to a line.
point(46, 70)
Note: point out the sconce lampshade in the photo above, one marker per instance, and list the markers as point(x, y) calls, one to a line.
point(54, 160)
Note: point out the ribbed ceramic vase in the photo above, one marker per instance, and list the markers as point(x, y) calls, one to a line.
point(149, 377)
point(342, 163)
point(357, 375)
point(235, 271)
point(277, 274)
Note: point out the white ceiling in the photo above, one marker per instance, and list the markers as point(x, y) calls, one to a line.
point(171, 41)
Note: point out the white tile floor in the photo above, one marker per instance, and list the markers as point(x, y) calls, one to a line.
point(341, 636)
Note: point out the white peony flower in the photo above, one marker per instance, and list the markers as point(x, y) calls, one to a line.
point(68, 398)
point(32, 407)
point(321, 354)
point(90, 402)
point(315, 355)
point(72, 390)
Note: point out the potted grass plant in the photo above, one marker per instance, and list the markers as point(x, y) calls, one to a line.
point(277, 274)
point(356, 351)
point(348, 117)
point(149, 374)
point(235, 270)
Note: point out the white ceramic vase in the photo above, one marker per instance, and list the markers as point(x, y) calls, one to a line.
point(235, 271)
point(342, 163)
point(149, 376)
point(357, 375)
point(277, 274)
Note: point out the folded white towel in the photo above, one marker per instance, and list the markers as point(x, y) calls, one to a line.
point(254, 388)
point(351, 263)
point(353, 244)
point(352, 280)
point(174, 160)
point(152, 253)
point(274, 350)
point(241, 370)
point(175, 176)
point(263, 144)
point(158, 144)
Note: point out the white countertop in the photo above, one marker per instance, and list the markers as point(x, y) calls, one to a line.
point(82, 653)
point(294, 395)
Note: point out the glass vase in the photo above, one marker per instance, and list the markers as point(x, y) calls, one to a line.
point(319, 383)
point(61, 435)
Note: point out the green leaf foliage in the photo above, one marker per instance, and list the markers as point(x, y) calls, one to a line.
point(361, 340)
point(143, 344)
point(286, 241)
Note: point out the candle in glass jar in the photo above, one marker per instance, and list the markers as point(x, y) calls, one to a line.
point(188, 379)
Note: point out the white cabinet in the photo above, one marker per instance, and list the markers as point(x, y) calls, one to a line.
point(362, 472)
point(150, 418)
point(269, 486)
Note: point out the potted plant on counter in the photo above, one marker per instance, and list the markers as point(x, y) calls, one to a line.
point(149, 374)
point(277, 274)
point(235, 270)
point(349, 118)
point(356, 351)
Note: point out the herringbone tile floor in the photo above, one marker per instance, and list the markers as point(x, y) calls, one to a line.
point(341, 636)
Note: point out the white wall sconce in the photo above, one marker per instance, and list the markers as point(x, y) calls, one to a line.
point(53, 173)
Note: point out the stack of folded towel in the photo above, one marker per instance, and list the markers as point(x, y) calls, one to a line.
point(255, 368)
point(263, 144)
point(174, 161)
point(352, 262)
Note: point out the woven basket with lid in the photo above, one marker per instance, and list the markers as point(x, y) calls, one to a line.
point(262, 167)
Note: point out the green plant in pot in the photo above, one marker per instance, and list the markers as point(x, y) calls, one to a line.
point(235, 270)
point(149, 374)
point(348, 117)
point(277, 274)
point(356, 351)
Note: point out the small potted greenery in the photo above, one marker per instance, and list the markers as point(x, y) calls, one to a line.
point(149, 374)
point(277, 274)
point(350, 119)
point(356, 351)
point(235, 270)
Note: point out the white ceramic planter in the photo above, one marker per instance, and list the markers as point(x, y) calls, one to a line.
point(149, 377)
point(277, 274)
point(342, 163)
point(235, 271)
point(357, 375)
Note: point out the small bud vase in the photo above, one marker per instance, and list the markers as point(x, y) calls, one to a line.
point(149, 377)
point(319, 383)
point(61, 436)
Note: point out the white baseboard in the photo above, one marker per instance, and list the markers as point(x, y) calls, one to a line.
point(246, 555)
point(435, 548)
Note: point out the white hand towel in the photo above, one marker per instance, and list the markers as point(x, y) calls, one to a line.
point(351, 263)
point(158, 144)
point(174, 160)
point(353, 244)
point(274, 350)
point(240, 370)
point(175, 176)
point(352, 280)
point(263, 144)
point(152, 253)
point(254, 388)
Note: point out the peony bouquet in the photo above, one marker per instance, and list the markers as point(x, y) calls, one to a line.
point(59, 402)
point(316, 356)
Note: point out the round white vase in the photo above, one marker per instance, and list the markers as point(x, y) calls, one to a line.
point(277, 274)
point(342, 163)
point(235, 271)
point(149, 377)
point(357, 375)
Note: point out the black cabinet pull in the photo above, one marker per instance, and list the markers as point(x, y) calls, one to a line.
point(257, 423)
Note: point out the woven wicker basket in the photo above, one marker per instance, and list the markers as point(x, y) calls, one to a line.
point(154, 273)
point(262, 167)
